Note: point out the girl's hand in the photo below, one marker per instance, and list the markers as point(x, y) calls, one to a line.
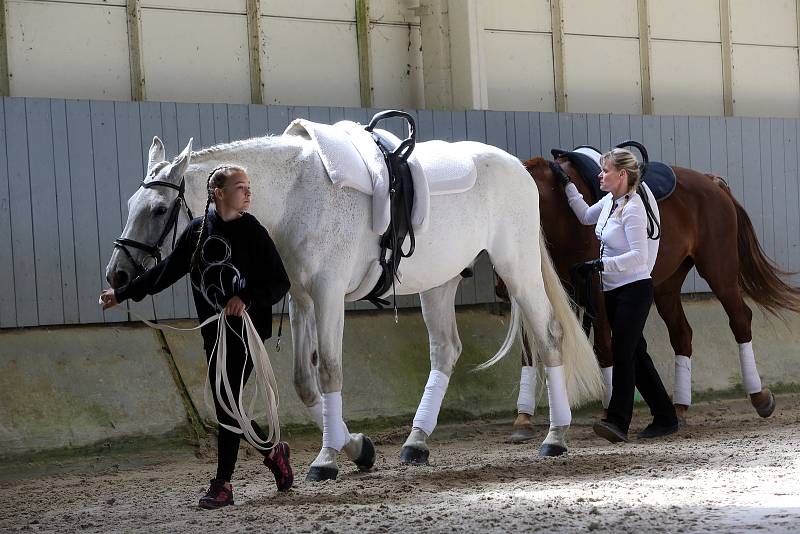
point(235, 306)
point(108, 299)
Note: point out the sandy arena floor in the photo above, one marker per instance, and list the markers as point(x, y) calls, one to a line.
point(728, 470)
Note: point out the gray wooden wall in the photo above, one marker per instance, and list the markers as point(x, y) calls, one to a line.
point(69, 166)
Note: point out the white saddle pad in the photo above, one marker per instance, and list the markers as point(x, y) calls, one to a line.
point(352, 159)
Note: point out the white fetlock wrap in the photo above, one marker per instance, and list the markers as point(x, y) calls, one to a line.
point(315, 412)
point(750, 378)
point(683, 380)
point(608, 373)
point(560, 413)
point(526, 401)
point(334, 432)
point(431, 403)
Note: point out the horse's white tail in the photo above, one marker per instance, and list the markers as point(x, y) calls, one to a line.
point(584, 379)
point(511, 335)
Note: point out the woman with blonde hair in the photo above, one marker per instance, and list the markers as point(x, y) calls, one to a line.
point(628, 226)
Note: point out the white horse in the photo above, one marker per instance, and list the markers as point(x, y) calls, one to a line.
point(324, 236)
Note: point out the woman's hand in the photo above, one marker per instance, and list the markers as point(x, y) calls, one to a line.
point(235, 306)
point(108, 299)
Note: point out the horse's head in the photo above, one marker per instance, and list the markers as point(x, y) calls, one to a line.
point(154, 213)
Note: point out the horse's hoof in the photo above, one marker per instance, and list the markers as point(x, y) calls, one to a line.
point(318, 474)
point(549, 450)
point(766, 408)
point(414, 456)
point(680, 411)
point(522, 434)
point(366, 459)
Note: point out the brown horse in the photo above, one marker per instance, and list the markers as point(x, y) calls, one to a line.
point(702, 225)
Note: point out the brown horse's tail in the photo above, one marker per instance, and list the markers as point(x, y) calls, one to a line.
point(759, 277)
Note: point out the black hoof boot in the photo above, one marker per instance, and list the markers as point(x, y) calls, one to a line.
point(318, 474)
point(366, 459)
point(414, 456)
point(549, 450)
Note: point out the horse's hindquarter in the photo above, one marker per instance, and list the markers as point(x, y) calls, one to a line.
point(500, 208)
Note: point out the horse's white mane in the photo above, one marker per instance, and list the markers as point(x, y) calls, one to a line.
point(213, 151)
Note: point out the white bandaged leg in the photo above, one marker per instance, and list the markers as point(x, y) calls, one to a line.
point(526, 401)
point(560, 414)
point(683, 381)
point(608, 373)
point(431, 403)
point(334, 432)
point(315, 412)
point(750, 378)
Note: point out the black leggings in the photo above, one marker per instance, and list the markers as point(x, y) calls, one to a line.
point(228, 441)
point(627, 308)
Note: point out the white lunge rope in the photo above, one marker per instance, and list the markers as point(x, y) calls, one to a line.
point(266, 385)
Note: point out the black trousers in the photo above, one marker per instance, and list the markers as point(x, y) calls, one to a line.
point(228, 441)
point(627, 308)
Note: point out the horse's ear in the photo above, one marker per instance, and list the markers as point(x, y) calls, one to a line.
point(181, 163)
point(532, 164)
point(157, 154)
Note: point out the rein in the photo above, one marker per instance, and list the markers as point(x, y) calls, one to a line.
point(154, 251)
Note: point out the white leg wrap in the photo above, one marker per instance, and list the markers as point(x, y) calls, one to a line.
point(315, 412)
point(608, 373)
point(334, 431)
point(560, 414)
point(526, 402)
point(431, 403)
point(750, 378)
point(683, 381)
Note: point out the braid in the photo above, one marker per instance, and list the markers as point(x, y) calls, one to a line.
point(196, 253)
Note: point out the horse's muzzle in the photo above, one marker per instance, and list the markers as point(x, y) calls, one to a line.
point(117, 278)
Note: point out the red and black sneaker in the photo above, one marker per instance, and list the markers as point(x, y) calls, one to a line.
point(218, 495)
point(278, 462)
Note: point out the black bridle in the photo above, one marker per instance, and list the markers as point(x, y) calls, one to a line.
point(154, 251)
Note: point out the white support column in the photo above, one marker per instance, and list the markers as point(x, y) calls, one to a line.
point(467, 79)
point(134, 16)
point(254, 39)
point(5, 90)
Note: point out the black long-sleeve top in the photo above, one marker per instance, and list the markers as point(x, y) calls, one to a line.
point(236, 257)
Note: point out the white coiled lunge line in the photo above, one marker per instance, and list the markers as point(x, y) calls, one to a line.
point(234, 407)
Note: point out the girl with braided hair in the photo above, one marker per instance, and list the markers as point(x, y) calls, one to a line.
point(233, 266)
point(628, 228)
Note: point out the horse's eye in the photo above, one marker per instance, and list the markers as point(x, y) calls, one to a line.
point(159, 211)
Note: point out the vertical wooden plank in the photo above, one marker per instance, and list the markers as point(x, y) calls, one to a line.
point(668, 140)
point(8, 306)
point(443, 125)
point(565, 141)
point(734, 157)
point(337, 114)
point(766, 186)
point(683, 158)
point(700, 160)
point(206, 117)
point(651, 136)
point(550, 138)
point(255, 38)
point(620, 129)
point(84, 210)
point(357, 115)
point(792, 196)
point(637, 128)
point(66, 246)
point(425, 126)
point(778, 194)
point(277, 119)
point(238, 122)
point(299, 112)
point(522, 134)
point(535, 122)
point(221, 130)
point(719, 159)
point(580, 134)
point(606, 141)
point(21, 216)
point(50, 307)
point(459, 123)
point(150, 126)
point(106, 173)
point(131, 171)
point(593, 137)
point(752, 171)
point(257, 120)
point(320, 114)
point(496, 129)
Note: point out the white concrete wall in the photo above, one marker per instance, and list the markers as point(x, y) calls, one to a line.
point(501, 53)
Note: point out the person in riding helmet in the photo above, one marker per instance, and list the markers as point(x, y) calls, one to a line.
point(233, 266)
point(628, 250)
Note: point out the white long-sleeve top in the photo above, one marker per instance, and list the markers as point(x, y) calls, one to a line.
point(627, 254)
